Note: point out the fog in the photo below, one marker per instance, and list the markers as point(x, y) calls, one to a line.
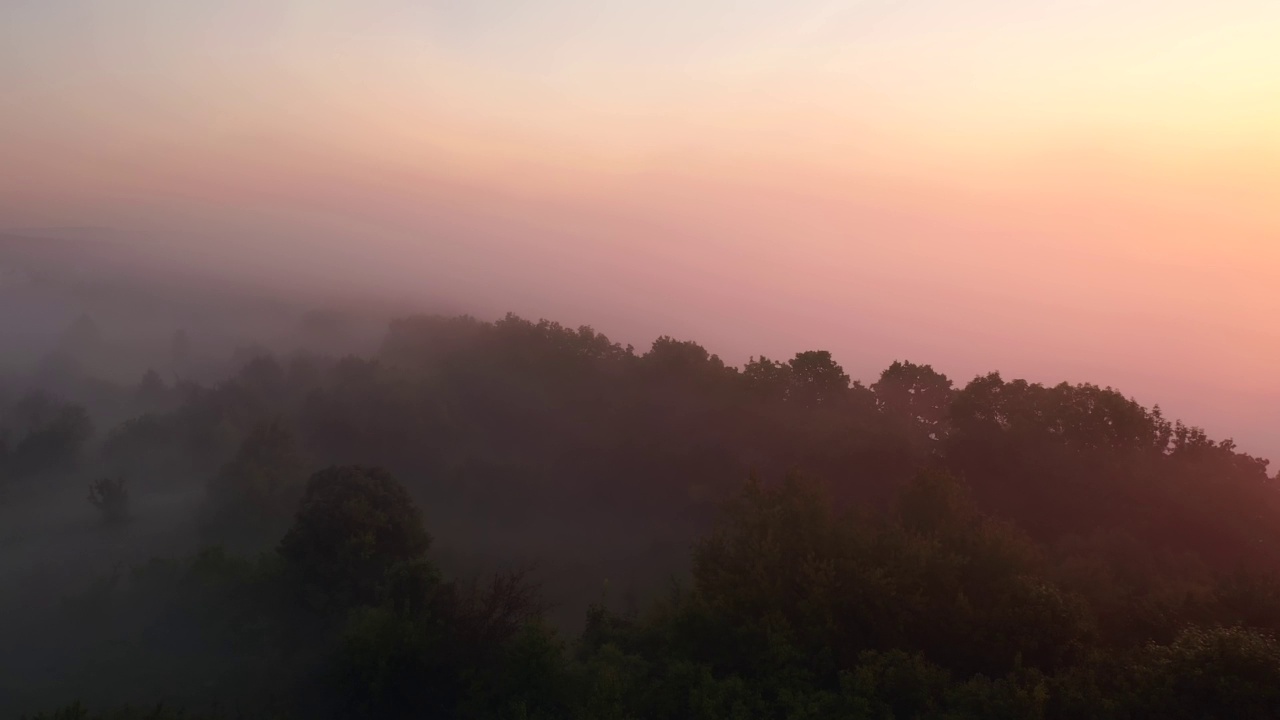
point(1059, 192)
point(197, 389)
point(752, 270)
point(895, 359)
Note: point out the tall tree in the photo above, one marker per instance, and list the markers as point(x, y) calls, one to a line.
point(355, 529)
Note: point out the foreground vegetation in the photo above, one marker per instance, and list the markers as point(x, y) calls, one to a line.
point(793, 611)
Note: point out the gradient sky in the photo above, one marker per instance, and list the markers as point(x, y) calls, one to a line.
point(1076, 189)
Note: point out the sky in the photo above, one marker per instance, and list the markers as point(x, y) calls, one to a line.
point(1083, 190)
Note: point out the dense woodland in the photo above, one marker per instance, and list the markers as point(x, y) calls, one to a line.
point(630, 534)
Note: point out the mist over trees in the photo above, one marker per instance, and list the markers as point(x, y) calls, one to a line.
point(517, 519)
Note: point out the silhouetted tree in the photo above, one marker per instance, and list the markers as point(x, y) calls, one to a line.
point(767, 379)
point(916, 394)
point(817, 379)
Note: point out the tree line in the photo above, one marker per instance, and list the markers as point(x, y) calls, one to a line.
point(907, 548)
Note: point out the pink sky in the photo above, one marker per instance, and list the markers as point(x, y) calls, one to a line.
point(1078, 190)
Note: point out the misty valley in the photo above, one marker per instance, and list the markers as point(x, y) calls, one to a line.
point(215, 506)
point(639, 360)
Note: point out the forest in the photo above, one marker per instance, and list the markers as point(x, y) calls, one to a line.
point(518, 519)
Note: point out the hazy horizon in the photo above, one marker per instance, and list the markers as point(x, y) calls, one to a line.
point(1082, 191)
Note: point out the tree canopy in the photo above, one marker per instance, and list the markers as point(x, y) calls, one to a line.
point(776, 540)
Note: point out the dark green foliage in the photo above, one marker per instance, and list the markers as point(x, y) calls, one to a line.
point(1234, 671)
point(206, 632)
point(515, 415)
point(391, 664)
point(355, 528)
point(790, 598)
point(796, 610)
point(1000, 549)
